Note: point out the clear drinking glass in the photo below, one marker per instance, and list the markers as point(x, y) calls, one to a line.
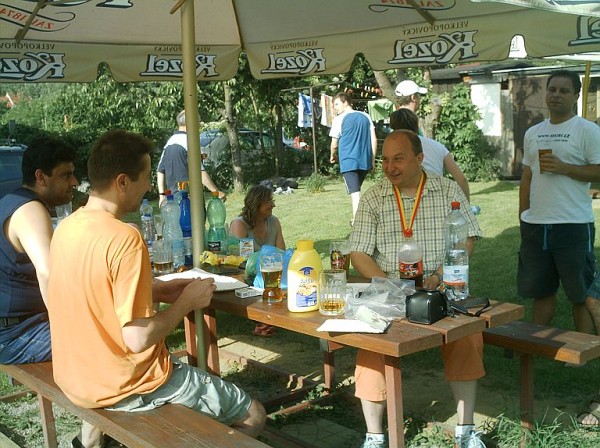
point(271, 268)
point(159, 224)
point(339, 255)
point(333, 292)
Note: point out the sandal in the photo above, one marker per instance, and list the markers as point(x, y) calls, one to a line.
point(592, 414)
point(264, 330)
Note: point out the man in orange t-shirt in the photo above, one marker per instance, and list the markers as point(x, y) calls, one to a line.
point(107, 341)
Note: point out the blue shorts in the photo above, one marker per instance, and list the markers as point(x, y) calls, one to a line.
point(594, 289)
point(196, 389)
point(354, 180)
point(553, 253)
point(26, 342)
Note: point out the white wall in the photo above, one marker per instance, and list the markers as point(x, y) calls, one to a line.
point(487, 99)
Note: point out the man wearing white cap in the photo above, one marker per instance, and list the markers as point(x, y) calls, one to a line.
point(408, 93)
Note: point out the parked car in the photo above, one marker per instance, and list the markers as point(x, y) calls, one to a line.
point(11, 157)
point(213, 142)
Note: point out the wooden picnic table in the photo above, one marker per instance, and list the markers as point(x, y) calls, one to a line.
point(402, 338)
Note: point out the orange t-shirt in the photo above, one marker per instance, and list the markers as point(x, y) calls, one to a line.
point(100, 279)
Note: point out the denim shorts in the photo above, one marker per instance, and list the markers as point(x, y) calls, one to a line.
point(553, 253)
point(594, 290)
point(354, 180)
point(195, 389)
point(26, 342)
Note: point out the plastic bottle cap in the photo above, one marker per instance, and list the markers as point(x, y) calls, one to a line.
point(167, 192)
point(455, 205)
point(215, 194)
point(304, 245)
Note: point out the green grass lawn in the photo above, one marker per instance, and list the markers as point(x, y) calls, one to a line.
point(559, 391)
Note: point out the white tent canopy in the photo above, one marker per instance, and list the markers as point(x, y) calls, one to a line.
point(58, 41)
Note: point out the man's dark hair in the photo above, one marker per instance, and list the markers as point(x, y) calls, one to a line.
point(404, 118)
point(344, 98)
point(45, 153)
point(117, 152)
point(574, 77)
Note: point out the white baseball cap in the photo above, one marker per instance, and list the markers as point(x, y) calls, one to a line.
point(408, 87)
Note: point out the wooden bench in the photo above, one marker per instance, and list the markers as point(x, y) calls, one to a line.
point(528, 339)
point(170, 425)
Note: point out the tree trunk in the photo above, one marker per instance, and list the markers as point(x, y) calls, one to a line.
point(234, 142)
point(387, 88)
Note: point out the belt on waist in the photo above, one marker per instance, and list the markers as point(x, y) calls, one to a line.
point(10, 321)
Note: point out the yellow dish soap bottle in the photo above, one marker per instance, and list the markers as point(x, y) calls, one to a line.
point(304, 270)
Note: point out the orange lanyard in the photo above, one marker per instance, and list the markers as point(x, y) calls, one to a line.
point(407, 230)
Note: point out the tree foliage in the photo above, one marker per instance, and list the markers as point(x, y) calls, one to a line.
point(458, 131)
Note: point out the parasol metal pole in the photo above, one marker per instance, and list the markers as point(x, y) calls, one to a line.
point(190, 99)
point(585, 89)
point(312, 118)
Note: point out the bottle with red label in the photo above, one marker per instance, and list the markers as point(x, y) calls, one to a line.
point(410, 262)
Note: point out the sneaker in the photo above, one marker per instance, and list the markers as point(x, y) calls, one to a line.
point(372, 442)
point(470, 440)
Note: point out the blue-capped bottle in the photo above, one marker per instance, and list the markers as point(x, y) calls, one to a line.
point(185, 221)
point(147, 225)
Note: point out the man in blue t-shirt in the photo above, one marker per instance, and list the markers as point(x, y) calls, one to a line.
point(173, 164)
point(353, 139)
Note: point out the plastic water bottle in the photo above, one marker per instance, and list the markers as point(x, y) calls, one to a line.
point(216, 237)
point(410, 262)
point(185, 221)
point(147, 225)
point(172, 230)
point(456, 260)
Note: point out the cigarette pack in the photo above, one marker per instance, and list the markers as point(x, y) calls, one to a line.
point(250, 291)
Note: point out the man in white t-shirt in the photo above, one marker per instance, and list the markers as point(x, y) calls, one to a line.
point(561, 158)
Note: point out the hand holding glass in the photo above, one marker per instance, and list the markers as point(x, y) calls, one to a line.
point(271, 268)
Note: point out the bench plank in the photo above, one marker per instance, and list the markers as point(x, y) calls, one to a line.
point(554, 343)
point(529, 340)
point(169, 425)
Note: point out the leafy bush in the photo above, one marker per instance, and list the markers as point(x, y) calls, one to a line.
point(458, 131)
point(316, 183)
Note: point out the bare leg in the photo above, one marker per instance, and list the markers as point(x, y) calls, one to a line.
point(373, 413)
point(465, 395)
point(355, 200)
point(593, 306)
point(253, 421)
point(543, 309)
point(583, 318)
point(90, 436)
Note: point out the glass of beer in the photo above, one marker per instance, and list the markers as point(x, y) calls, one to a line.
point(271, 268)
point(541, 154)
point(163, 257)
point(333, 292)
point(339, 255)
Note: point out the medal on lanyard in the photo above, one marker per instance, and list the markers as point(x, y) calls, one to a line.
point(407, 229)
